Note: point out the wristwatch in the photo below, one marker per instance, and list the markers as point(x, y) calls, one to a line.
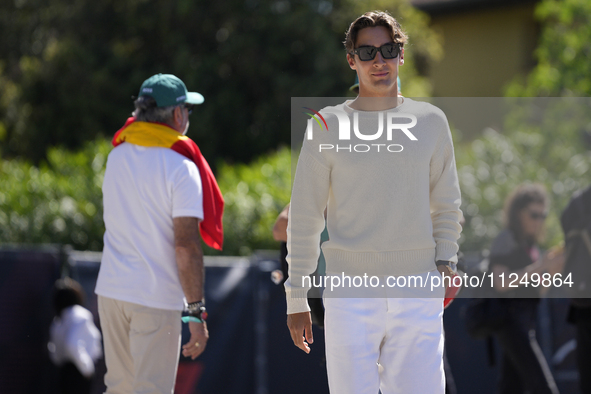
point(197, 309)
point(452, 267)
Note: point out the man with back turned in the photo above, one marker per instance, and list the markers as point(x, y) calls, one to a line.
point(160, 200)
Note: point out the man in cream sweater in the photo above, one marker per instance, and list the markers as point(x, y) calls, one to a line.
point(385, 168)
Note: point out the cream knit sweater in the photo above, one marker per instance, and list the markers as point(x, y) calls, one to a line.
point(393, 210)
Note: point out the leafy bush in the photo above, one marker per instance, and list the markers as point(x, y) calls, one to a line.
point(61, 200)
point(254, 195)
point(57, 202)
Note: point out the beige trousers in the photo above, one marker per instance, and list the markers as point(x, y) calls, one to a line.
point(142, 347)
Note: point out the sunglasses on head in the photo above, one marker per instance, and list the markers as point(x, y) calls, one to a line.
point(189, 108)
point(366, 53)
point(537, 216)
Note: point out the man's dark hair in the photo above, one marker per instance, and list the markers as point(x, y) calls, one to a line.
point(146, 110)
point(67, 292)
point(374, 19)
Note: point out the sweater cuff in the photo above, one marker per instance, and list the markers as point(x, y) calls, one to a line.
point(447, 251)
point(297, 300)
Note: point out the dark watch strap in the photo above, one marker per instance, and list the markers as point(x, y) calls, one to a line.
point(451, 266)
point(197, 309)
point(195, 306)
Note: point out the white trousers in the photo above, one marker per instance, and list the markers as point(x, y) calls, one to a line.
point(393, 343)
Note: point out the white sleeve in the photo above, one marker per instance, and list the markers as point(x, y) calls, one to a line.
point(445, 198)
point(305, 224)
point(81, 342)
point(187, 191)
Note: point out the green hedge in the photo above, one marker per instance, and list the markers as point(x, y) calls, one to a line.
point(57, 202)
point(254, 195)
point(61, 200)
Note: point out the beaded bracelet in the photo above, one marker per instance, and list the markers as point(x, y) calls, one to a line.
point(187, 319)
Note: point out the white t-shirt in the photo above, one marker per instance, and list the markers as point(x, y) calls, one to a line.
point(143, 190)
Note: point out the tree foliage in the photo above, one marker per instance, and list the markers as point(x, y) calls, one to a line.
point(254, 195)
point(543, 140)
point(563, 52)
point(68, 68)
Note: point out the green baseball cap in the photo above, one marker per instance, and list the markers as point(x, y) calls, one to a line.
point(168, 90)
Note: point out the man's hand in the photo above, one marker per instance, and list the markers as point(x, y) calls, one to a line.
point(300, 326)
point(198, 341)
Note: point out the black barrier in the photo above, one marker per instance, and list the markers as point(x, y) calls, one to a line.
point(250, 350)
point(26, 279)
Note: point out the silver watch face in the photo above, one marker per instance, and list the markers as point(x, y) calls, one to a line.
point(451, 266)
point(194, 307)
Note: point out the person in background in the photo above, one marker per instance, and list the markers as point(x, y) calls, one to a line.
point(74, 341)
point(515, 251)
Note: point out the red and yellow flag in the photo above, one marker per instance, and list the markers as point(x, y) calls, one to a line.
point(163, 136)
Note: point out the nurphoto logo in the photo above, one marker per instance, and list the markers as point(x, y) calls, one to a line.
point(313, 116)
point(344, 133)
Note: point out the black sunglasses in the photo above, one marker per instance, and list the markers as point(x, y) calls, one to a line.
point(366, 53)
point(537, 216)
point(189, 108)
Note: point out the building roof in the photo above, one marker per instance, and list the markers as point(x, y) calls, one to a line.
point(445, 6)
